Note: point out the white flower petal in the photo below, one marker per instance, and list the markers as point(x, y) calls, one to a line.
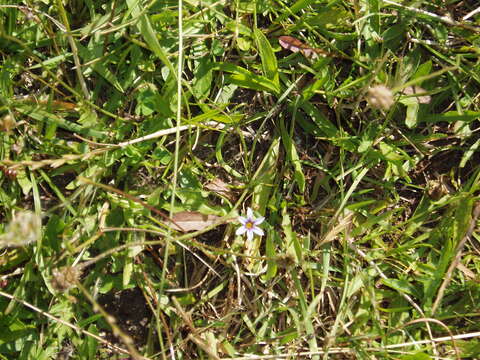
point(249, 213)
point(258, 221)
point(249, 235)
point(258, 231)
point(241, 230)
point(242, 220)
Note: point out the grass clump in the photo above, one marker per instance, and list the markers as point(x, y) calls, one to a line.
point(135, 134)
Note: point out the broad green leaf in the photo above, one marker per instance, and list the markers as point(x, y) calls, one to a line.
point(411, 117)
point(269, 61)
point(24, 181)
point(203, 79)
point(423, 70)
point(402, 286)
point(244, 78)
point(238, 28)
point(244, 43)
point(329, 15)
point(391, 152)
point(132, 252)
point(187, 299)
point(14, 329)
point(91, 343)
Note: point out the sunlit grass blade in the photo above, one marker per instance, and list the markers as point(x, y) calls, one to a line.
point(269, 61)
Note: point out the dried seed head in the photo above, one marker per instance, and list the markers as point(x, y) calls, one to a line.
point(380, 97)
point(7, 123)
point(25, 228)
point(65, 278)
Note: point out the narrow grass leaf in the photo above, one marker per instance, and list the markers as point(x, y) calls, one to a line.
point(307, 322)
point(219, 156)
point(265, 178)
point(292, 245)
point(88, 54)
point(451, 116)
point(299, 5)
point(37, 113)
point(463, 216)
point(292, 156)
point(270, 252)
point(469, 153)
point(320, 120)
point(417, 356)
point(146, 29)
point(52, 62)
point(91, 342)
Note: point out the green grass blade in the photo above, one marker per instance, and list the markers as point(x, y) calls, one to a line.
point(244, 78)
point(269, 61)
point(145, 28)
point(265, 178)
point(37, 113)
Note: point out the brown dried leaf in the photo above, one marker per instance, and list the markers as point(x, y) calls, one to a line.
point(295, 45)
point(414, 90)
point(466, 271)
point(185, 221)
point(291, 43)
point(220, 187)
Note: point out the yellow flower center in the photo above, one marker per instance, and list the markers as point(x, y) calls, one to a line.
point(249, 225)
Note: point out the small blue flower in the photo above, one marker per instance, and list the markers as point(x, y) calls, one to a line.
point(250, 225)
